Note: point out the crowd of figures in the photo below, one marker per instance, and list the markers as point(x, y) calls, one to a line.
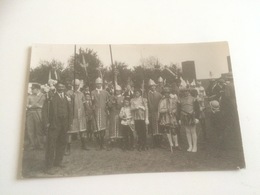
point(57, 113)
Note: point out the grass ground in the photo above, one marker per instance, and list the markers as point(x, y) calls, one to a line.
point(82, 163)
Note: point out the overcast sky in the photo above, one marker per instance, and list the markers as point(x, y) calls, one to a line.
point(207, 56)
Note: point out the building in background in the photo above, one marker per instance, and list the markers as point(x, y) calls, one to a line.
point(189, 71)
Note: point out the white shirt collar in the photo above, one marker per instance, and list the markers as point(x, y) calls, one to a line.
point(61, 94)
point(99, 90)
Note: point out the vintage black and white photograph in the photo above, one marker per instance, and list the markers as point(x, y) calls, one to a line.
point(121, 109)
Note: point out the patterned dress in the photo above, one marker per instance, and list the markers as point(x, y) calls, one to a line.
point(79, 115)
point(167, 113)
point(116, 104)
point(100, 99)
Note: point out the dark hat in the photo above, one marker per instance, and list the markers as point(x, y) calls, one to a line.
point(183, 89)
point(221, 80)
point(127, 99)
point(87, 92)
point(166, 89)
point(61, 83)
point(36, 86)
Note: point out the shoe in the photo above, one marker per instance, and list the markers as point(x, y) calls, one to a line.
point(178, 148)
point(59, 165)
point(40, 148)
point(98, 149)
point(162, 147)
point(84, 148)
point(189, 149)
point(108, 148)
point(194, 150)
point(139, 148)
point(51, 171)
point(31, 148)
point(67, 150)
point(67, 153)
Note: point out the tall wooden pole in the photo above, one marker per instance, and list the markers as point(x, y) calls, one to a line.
point(74, 77)
point(113, 69)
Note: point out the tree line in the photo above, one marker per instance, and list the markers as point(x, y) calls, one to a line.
point(85, 65)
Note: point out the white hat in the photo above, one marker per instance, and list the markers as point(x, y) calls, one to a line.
point(52, 82)
point(160, 79)
point(193, 83)
point(99, 81)
point(183, 83)
point(214, 105)
point(45, 88)
point(151, 82)
point(118, 88)
point(77, 82)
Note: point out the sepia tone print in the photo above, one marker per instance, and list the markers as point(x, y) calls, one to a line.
point(118, 109)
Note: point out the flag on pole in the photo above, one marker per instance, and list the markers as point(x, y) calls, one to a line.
point(193, 83)
point(183, 83)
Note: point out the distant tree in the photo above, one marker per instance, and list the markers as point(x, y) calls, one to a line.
point(87, 66)
point(124, 73)
point(149, 68)
point(150, 62)
point(40, 74)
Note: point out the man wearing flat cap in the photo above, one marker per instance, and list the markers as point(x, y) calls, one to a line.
point(34, 124)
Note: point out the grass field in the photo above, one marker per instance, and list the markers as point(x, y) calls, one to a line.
point(116, 161)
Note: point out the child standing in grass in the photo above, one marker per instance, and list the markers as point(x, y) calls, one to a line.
point(140, 116)
point(127, 125)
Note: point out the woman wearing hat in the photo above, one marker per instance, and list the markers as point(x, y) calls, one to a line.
point(189, 111)
point(140, 116)
point(115, 104)
point(217, 123)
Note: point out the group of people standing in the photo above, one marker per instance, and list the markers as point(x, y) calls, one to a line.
point(61, 112)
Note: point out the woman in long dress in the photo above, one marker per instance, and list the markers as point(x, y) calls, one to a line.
point(115, 105)
point(79, 117)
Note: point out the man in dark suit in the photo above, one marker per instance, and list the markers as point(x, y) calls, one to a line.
point(58, 119)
